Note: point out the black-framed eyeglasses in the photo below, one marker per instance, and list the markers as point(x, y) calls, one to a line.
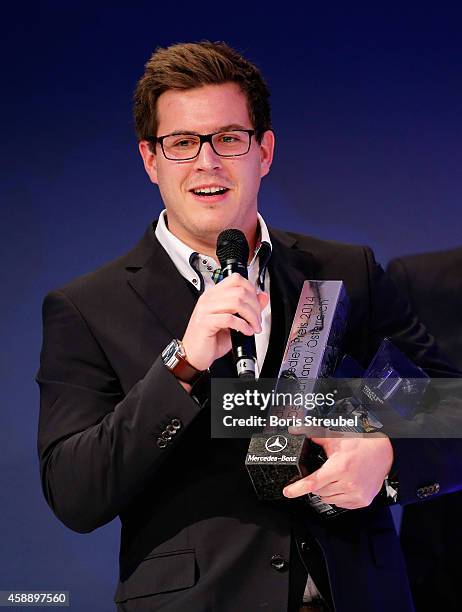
point(183, 147)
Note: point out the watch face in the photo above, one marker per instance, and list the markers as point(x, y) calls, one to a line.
point(168, 354)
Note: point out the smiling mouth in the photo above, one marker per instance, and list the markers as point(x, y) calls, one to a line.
point(209, 191)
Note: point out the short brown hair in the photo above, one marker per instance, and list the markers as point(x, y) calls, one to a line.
point(190, 65)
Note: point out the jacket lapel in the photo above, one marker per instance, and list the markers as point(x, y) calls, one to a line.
point(289, 267)
point(155, 279)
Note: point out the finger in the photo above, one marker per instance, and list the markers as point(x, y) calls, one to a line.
point(335, 488)
point(229, 321)
point(248, 307)
point(236, 300)
point(229, 305)
point(252, 316)
point(309, 484)
point(235, 285)
point(327, 474)
point(235, 280)
point(298, 488)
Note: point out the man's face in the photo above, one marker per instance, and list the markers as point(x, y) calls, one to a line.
point(198, 219)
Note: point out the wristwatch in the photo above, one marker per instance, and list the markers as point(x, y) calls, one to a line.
point(174, 358)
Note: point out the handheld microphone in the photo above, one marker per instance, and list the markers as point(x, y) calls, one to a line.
point(233, 254)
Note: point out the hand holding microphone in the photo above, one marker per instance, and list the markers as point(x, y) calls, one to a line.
point(233, 304)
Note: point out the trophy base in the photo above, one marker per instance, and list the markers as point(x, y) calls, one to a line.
point(274, 461)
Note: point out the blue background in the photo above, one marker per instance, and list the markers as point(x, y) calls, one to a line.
point(367, 113)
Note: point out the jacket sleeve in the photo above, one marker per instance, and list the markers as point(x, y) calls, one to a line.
point(429, 464)
point(97, 446)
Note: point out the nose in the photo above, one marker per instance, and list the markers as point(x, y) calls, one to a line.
point(207, 158)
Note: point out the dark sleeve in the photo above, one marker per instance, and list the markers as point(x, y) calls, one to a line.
point(417, 462)
point(98, 448)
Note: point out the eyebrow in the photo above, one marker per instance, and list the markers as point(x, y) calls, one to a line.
point(224, 128)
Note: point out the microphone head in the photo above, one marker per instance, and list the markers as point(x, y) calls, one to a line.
point(232, 244)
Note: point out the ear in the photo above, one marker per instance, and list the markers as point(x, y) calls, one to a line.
point(149, 160)
point(266, 152)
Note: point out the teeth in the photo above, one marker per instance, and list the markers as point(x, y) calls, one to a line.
point(209, 190)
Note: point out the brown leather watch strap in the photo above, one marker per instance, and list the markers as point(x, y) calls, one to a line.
point(185, 372)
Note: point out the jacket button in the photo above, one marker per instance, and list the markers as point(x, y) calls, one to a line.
point(279, 563)
point(304, 546)
point(176, 423)
point(161, 442)
point(428, 491)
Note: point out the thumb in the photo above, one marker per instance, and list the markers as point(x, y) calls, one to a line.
point(263, 298)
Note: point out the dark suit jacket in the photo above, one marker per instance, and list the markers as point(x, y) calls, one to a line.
point(430, 534)
point(194, 537)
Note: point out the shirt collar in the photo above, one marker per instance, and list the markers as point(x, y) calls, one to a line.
point(185, 258)
point(263, 251)
point(179, 252)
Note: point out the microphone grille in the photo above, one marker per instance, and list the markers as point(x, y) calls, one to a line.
point(232, 244)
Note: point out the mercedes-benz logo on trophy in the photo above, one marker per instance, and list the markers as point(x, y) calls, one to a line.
point(276, 444)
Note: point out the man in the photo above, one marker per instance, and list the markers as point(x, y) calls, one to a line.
point(125, 415)
point(430, 534)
